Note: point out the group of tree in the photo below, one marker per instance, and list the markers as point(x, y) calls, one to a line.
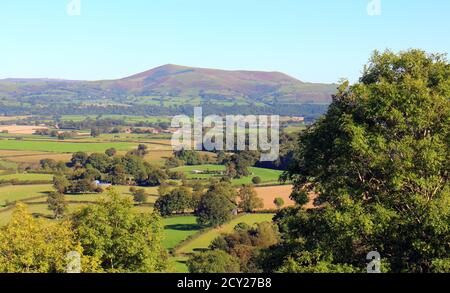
point(236, 252)
point(379, 161)
point(213, 207)
point(109, 237)
point(109, 167)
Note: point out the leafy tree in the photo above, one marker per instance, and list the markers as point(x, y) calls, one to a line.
point(79, 159)
point(379, 160)
point(249, 199)
point(189, 157)
point(256, 180)
point(30, 245)
point(216, 261)
point(279, 202)
point(217, 205)
point(111, 152)
point(246, 243)
point(57, 204)
point(139, 195)
point(176, 201)
point(123, 240)
point(101, 162)
point(61, 184)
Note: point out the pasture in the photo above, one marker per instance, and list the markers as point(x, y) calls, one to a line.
point(62, 146)
point(27, 177)
point(267, 175)
point(204, 240)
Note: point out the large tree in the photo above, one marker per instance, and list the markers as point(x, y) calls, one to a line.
point(29, 245)
point(123, 240)
point(380, 161)
point(217, 205)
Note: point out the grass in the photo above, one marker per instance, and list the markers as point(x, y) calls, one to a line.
point(178, 229)
point(204, 240)
point(61, 146)
point(266, 175)
point(20, 192)
point(27, 177)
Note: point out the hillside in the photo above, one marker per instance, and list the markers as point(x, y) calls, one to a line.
point(162, 88)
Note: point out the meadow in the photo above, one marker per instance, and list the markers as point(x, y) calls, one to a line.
point(62, 146)
point(268, 176)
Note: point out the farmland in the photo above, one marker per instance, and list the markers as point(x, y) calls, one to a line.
point(267, 176)
point(21, 155)
point(61, 146)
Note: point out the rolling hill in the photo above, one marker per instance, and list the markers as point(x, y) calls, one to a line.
point(168, 90)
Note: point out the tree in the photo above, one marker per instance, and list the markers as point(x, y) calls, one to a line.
point(30, 245)
point(217, 205)
point(249, 199)
point(57, 204)
point(61, 184)
point(245, 243)
point(216, 261)
point(176, 201)
point(111, 152)
point(101, 162)
point(189, 157)
point(139, 195)
point(256, 180)
point(379, 159)
point(279, 202)
point(79, 159)
point(122, 240)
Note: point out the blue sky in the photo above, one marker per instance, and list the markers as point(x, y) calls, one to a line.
point(315, 40)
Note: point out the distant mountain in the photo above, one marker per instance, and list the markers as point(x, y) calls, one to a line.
point(171, 85)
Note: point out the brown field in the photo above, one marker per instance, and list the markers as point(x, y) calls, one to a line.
point(21, 129)
point(268, 194)
point(9, 154)
point(11, 118)
point(37, 158)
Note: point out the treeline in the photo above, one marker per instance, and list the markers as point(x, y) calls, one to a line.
point(311, 112)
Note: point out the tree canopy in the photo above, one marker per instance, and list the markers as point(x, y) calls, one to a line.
point(379, 160)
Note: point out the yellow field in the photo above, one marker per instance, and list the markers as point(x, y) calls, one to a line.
point(20, 129)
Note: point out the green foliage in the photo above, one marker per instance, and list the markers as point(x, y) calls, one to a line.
point(189, 158)
point(217, 205)
point(29, 245)
point(123, 241)
point(379, 160)
point(57, 204)
point(216, 261)
point(249, 200)
point(139, 195)
point(256, 180)
point(176, 201)
point(279, 202)
point(246, 242)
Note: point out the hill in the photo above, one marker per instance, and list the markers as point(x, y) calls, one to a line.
point(168, 86)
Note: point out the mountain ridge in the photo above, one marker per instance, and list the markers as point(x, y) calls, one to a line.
point(172, 84)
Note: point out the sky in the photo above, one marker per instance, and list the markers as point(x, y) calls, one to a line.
point(314, 41)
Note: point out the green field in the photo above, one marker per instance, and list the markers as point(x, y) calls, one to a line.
point(27, 177)
point(20, 192)
point(266, 175)
point(178, 229)
point(204, 240)
point(61, 146)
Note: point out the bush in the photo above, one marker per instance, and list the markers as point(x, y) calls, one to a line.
point(256, 180)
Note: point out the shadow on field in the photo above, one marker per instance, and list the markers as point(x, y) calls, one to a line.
point(183, 227)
